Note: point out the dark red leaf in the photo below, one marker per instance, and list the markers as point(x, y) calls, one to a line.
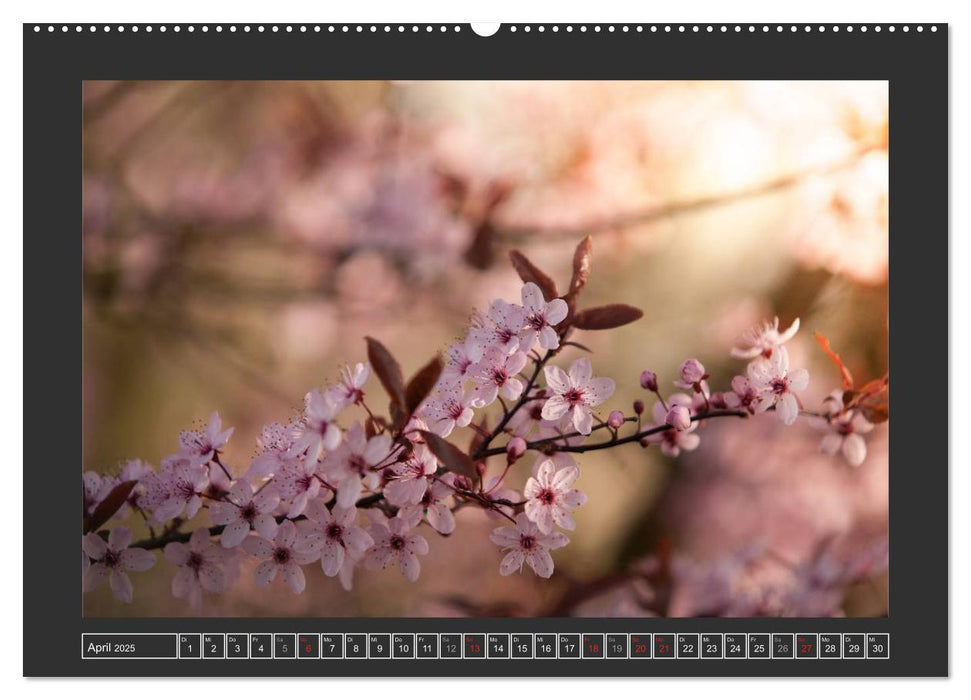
point(601, 318)
point(481, 252)
point(448, 454)
point(581, 266)
point(421, 385)
point(845, 375)
point(389, 372)
point(528, 272)
point(876, 412)
point(109, 506)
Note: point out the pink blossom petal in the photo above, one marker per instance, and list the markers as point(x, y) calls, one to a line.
point(211, 578)
point(94, 546)
point(417, 544)
point(540, 514)
point(357, 541)
point(512, 389)
point(241, 493)
point(176, 553)
point(556, 311)
point(580, 372)
point(512, 562)
point(787, 408)
point(557, 379)
point(555, 407)
point(119, 539)
point(223, 513)
point(554, 540)
point(265, 525)
point(689, 441)
point(266, 500)
point(854, 449)
point(258, 546)
point(573, 499)
point(121, 586)
point(286, 534)
point(331, 558)
point(563, 518)
point(234, 533)
point(582, 420)
point(504, 536)
point(183, 582)
point(93, 577)
point(564, 478)
point(798, 379)
point(515, 363)
point(409, 565)
point(548, 338)
point(831, 443)
point(541, 562)
point(532, 296)
point(265, 573)
point(378, 558)
point(440, 517)
point(599, 390)
point(137, 559)
point(294, 577)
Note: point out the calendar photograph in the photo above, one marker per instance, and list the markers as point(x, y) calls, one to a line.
point(483, 349)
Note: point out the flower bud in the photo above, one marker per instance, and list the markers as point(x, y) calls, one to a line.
point(648, 380)
point(615, 419)
point(515, 449)
point(638, 407)
point(645, 442)
point(692, 372)
point(678, 417)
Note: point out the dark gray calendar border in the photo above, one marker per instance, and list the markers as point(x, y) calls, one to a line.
point(914, 62)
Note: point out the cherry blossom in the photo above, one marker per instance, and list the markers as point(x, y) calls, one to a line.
point(393, 544)
point(432, 506)
point(672, 440)
point(297, 483)
point(201, 445)
point(350, 389)
point(550, 498)
point(333, 535)
point(352, 464)
point(317, 431)
point(279, 557)
point(678, 417)
point(112, 559)
point(763, 340)
point(576, 392)
point(447, 408)
point(743, 395)
point(459, 362)
point(526, 544)
point(500, 329)
point(96, 487)
point(691, 374)
point(409, 478)
point(201, 567)
point(648, 380)
point(176, 489)
point(776, 384)
point(242, 511)
point(274, 442)
point(844, 431)
point(496, 372)
point(541, 317)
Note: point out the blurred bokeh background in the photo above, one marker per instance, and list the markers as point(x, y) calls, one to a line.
point(240, 239)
